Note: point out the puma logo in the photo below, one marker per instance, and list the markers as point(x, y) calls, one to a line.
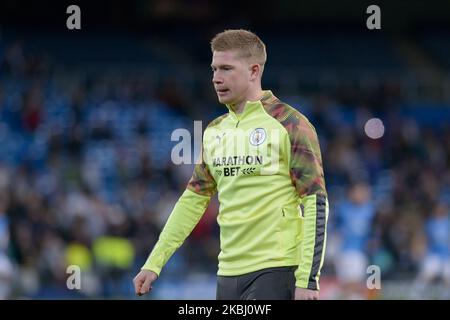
point(219, 137)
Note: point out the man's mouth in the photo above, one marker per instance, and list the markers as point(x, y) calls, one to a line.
point(222, 92)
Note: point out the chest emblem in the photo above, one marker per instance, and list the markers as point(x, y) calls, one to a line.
point(258, 136)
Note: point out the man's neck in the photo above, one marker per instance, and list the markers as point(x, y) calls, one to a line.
point(255, 96)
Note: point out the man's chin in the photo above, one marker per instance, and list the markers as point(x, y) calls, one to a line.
point(224, 100)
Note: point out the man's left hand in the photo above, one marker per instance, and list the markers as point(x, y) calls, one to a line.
point(306, 294)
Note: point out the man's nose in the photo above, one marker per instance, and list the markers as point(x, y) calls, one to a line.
point(216, 79)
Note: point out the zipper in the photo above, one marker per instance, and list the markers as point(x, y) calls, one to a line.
point(237, 123)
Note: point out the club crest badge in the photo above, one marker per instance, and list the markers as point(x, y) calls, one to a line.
point(257, 137)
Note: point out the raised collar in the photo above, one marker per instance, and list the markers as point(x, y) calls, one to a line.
point(251, 106)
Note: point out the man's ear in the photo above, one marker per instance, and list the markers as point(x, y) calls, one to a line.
point(255, 71)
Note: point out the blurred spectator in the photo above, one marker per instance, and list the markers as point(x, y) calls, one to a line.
point(353, 224)
point(6, 266)
point(435, 265)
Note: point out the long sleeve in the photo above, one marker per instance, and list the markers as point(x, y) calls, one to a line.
point(184, 217)
point(307, 175)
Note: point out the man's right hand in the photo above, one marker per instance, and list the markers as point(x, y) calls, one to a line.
point(143, 282)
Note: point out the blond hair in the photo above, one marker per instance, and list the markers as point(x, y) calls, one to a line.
point(246, 43)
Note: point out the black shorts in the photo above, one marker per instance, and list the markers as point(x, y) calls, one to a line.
point(266, 284)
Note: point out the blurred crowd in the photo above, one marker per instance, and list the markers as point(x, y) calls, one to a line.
point(86, 180)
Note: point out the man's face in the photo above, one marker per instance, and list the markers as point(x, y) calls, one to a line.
point(231, 77)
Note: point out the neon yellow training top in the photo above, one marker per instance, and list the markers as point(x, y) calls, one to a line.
point(266, 165)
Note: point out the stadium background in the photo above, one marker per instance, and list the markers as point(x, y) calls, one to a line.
point(86, 119)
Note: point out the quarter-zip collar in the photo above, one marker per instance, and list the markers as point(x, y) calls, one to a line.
point(250, 106)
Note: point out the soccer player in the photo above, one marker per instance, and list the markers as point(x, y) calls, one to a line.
point(264, 161)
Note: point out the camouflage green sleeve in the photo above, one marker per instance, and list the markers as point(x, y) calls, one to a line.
point(202, 181)
point(307, 175)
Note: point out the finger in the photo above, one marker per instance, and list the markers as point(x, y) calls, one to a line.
point(146, 286)
point(137, 285)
